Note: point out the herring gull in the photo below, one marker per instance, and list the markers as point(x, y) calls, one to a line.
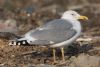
point(56, 33)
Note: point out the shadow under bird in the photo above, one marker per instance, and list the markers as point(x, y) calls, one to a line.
point(56, 33)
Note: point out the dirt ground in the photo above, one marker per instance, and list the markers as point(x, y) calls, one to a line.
point(30, 56)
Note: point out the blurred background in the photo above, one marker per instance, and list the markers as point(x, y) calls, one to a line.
point(19, 16)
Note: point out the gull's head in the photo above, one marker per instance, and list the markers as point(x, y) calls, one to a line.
point(73, 15)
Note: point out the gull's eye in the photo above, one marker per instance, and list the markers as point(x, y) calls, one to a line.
point(73, 14)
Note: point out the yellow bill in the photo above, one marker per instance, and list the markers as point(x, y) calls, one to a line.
point(83, 18)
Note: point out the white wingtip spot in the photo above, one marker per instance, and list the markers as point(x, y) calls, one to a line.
point(19, 43)
point(51, 42)
point(24, 42)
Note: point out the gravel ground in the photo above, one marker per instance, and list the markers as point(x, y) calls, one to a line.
point(86, 55)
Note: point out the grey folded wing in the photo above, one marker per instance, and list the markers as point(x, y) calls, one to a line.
point(52, 36)
point(53, 32)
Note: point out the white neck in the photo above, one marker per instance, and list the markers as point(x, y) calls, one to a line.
point(76, 24)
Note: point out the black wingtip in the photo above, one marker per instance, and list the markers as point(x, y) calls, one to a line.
point(14, 42)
